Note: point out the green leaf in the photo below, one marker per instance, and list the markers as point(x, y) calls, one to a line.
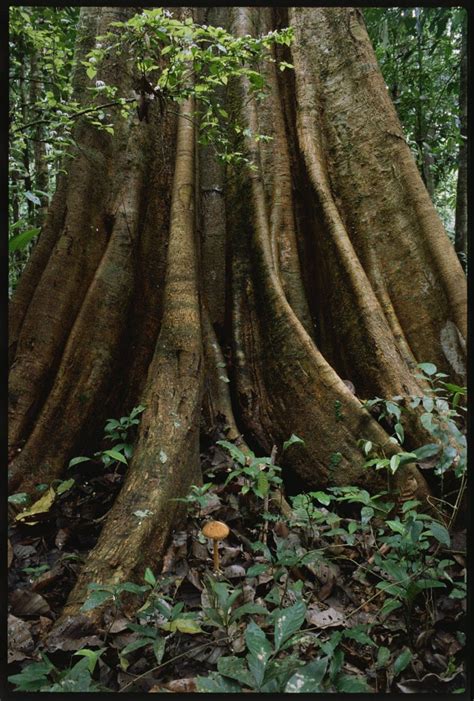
point(183, 625)
point(427, 368)
point(400, 432)
point(359, 635)
point(322, 497)
point(346, 683)
point(20, 241)
point(427, 451)
point(77, 461)
point(159, 646)
point(18, 498)
point(91, 72)
point(215, 684)
point(383, 656)
point(247, 609)
point(135, 645)
point(235, 668)
point(133, 588)
point(65, 485)
point(394, 463)
point(291, 441)
point(402, 661)
point(97, 598)
point(149, 577)
point(255, 570)
point(257, 642)
point(308, 679)
point(115, 455)
point(288, 621)
point(92, 656)
point(234, 452)
point(441, 533)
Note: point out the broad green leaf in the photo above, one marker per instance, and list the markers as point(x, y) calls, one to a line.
point(18, 242)
point(322, 497)
point(308, 679)
point(248, 609)
point(135, 645)
point(92, 656)
point(65, 485)
point(115, 455)
point(427, 451)
point(18, 498)
point(77, 461)
point(383, 655)
point(257, 642)
point(359, 635)
point(159, 646)
point(427, 368)
point(349, 684)
point(183, 625)
point(292, 440)
point(216, 684)
point(402, 661)
point(255, 570)
point(234, 452)
point(149, 577)
point(97, 598)
point(235, 668)
point(288, 621)
point(441, 533)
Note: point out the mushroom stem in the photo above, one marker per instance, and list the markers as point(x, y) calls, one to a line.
point(216, 555)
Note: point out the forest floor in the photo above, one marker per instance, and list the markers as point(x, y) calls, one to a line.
point(325, 594)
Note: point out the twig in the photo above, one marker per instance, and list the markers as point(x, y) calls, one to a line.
point(163, 664)
point(75, 115)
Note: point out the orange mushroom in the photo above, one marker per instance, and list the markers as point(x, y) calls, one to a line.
point(216, 531)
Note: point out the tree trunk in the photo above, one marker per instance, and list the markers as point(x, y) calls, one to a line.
point(461, 193)
point(326, 263)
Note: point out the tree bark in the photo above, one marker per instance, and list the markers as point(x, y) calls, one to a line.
point(245, 296)
point(461, 192)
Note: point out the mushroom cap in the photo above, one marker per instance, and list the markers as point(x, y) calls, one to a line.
point(215, 530)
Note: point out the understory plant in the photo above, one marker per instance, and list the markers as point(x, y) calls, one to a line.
point(274, 632)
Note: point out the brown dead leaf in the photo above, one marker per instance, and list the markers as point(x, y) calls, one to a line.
point(9, 554)
point(182, 686)
point(199, 550)
point(73, 633)
point(48, 578)
point(27, 603)
point(432, 684)
point(325, 619)
point(234, 571)
point(62, 536)
point(20, 641)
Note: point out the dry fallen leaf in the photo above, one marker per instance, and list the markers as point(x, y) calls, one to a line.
point(20, 641)
point(325, 619)
point(183, 686)
point(9, 555)
point(27, 603)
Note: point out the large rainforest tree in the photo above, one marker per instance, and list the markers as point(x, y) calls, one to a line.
point(268, 295)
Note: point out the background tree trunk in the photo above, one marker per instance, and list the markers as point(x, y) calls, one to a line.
point(328, 262)
point(461, 193)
